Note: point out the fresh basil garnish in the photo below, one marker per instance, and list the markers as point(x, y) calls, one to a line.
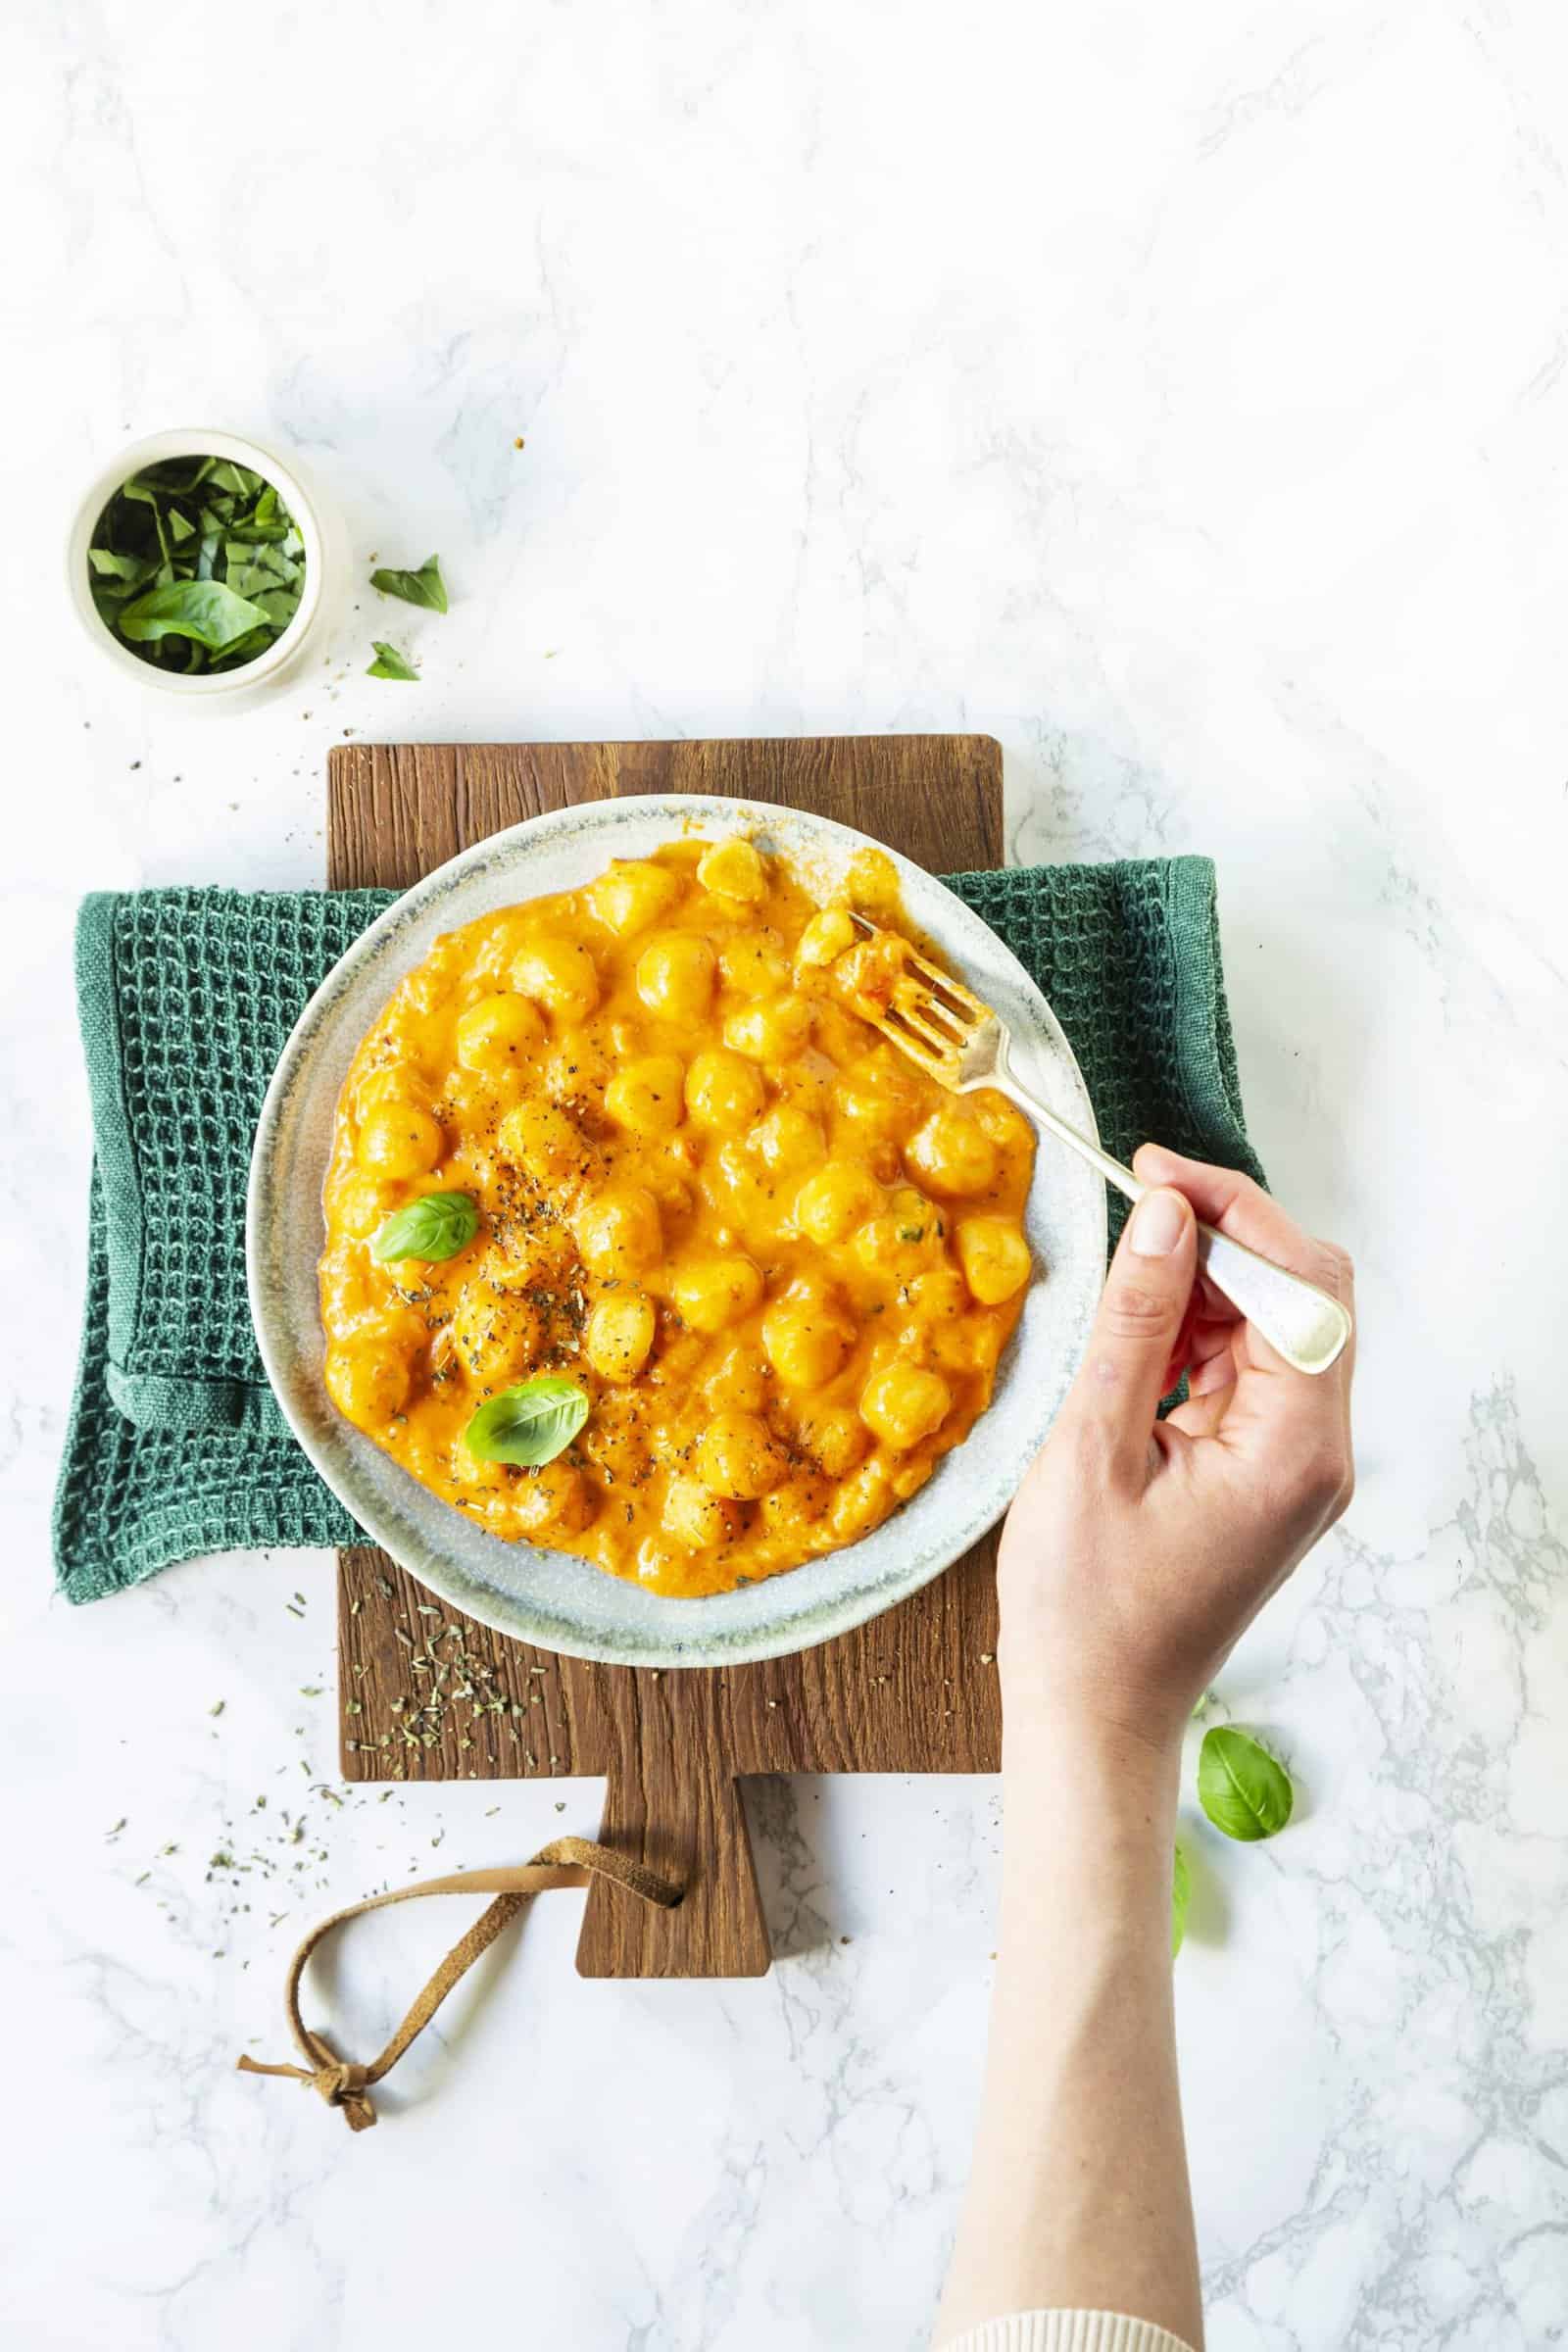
point(196, 564)
point(423, 587)
point(1181, 1894)
point(389, 663)
point(529, 1424)
point(434, 1227)
point(1245, 1791)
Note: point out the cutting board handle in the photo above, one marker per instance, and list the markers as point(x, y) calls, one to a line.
point(673, 1804)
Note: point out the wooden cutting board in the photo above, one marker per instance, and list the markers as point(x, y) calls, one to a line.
point(914, 1690)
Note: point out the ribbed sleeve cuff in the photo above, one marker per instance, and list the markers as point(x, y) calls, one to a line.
point(1068, 2331)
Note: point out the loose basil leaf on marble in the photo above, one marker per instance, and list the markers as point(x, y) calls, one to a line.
point(529, 1424)
point(389, 663)
point(1245, 1791)
point(206, 611)
point(1181, 1894)
point(434, 1227)
point(423, 587)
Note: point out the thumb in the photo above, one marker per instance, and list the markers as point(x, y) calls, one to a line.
point(1123, 1374)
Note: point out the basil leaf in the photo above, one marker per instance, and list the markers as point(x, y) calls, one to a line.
point(531, 1424)
point(112, 566)
point(1181, 1894)
point(1245, 1791)
point(389, 663)
point(205, 610)
point(234, 657)
point(423, 587)
point(237, 479)
point(246, 578)
point(434, 1227)
point(276, 605)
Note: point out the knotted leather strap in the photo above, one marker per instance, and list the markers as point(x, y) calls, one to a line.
point(567, 1862)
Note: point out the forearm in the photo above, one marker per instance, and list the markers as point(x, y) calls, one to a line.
point(1079, 2195)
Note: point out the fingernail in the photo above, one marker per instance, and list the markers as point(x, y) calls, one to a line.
point(1158, 1222)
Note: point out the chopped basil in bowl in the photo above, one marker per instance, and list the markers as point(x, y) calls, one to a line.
point(196, 563)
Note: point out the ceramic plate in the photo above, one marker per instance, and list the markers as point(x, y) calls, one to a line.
point(551, 1597)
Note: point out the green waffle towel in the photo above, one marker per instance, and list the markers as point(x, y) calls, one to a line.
point(175, 1446)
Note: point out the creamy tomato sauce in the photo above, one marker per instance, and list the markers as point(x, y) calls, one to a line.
point(780, 1262)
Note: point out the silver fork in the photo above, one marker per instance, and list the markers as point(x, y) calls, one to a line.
point(963, 1045)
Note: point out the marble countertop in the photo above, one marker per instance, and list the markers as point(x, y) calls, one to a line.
point(1179, 398)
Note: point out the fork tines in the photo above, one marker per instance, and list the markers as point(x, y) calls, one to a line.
point(930, 1015)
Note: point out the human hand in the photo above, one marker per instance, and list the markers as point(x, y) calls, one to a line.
point(1137, 1550)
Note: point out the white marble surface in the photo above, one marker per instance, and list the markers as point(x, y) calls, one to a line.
point(1178, 394)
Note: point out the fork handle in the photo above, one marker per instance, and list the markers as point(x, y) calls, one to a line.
point(1300, 1322)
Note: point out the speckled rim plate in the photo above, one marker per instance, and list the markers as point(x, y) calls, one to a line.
point(550, 1597)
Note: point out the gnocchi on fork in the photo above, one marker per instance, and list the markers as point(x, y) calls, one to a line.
point(961, 1043)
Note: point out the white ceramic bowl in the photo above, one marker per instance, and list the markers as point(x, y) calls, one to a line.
point(553, 1598)
point(305, 502)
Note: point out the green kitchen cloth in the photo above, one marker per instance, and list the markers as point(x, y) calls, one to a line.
point(176, 1445)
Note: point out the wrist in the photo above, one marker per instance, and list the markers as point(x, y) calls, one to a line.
point(1088, 1729)
point(1089, 1826)
point(1081, 1787)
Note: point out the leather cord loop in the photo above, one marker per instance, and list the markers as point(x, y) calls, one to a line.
point(566, 1862)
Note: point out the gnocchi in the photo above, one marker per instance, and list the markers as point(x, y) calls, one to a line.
point(806, 1341)
point(753, 964)
point(697, 1517)
point(499, 1032)
point(675, 976)
point(901, 1405)
point(496, 1333)
point(952, 1154)
point(619, 1337)
point(774, 1030)
point(780, 1262)
point(630, 893)
point(739, 1456)
point(398, 1139)
point(620, 1233)
point(841, 1196)
point(733, 869)
point(713, 1293)
point(647, 1096)
point(995, 1258)
point(560, 976)
point(723, 1093)
point(538, 1137)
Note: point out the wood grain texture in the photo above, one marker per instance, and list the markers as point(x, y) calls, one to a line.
point(427, 1693)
